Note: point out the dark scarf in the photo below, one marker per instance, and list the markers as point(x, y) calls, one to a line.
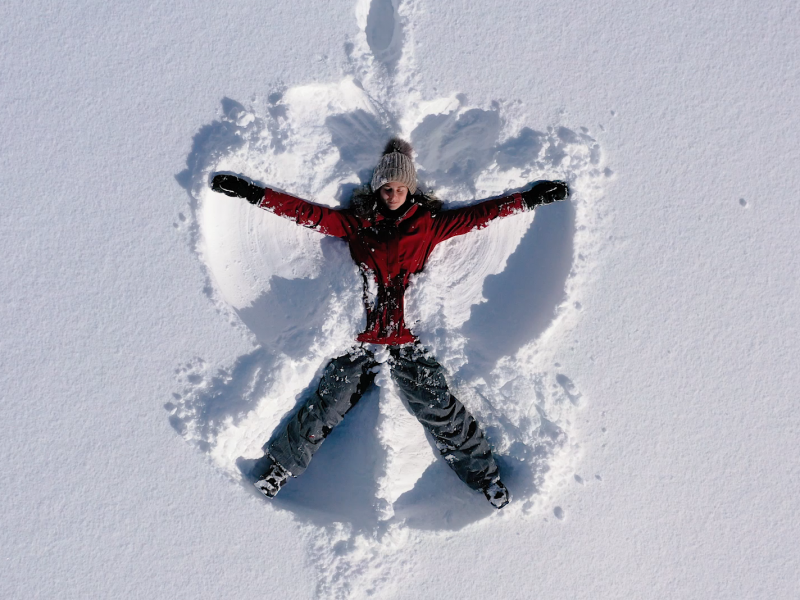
point(397, 212)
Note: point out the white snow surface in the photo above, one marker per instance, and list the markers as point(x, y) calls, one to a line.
point(631, 353)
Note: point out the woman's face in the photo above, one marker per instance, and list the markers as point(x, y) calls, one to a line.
point(393, 194)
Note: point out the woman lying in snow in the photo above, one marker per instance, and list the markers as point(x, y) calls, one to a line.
point(391, 231)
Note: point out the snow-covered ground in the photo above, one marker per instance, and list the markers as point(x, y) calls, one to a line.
point(632, 353)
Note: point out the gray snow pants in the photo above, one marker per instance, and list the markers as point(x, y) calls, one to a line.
point(420, 381)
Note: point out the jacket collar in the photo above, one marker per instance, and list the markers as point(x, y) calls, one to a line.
point(413, 207)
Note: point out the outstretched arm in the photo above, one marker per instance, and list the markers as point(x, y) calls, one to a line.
point(321, 218)
point(451, 223)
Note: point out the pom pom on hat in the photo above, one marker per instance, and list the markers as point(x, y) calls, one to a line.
point(398, 145)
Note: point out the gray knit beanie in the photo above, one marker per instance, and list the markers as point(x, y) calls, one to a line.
point(396, 165)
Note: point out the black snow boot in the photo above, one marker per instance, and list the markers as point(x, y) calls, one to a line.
point(496, 493)
point(272, 481)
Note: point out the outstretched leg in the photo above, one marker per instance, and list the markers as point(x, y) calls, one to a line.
point(343, 382)
point(420, 380)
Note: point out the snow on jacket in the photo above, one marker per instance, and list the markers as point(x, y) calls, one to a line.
point(388, 251)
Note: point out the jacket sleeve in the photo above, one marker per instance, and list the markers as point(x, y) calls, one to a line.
point(451, 223)
point(326, 220)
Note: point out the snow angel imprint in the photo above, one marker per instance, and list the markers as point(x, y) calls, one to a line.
point(391, 228)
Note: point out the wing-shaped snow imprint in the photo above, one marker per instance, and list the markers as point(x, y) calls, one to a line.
point(487, 304)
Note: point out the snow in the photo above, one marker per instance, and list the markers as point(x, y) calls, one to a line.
point(631, 353)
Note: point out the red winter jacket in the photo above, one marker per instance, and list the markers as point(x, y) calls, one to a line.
point(388, 251)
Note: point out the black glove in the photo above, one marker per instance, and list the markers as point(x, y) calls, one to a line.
point(230, 185)
point(545, 192)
